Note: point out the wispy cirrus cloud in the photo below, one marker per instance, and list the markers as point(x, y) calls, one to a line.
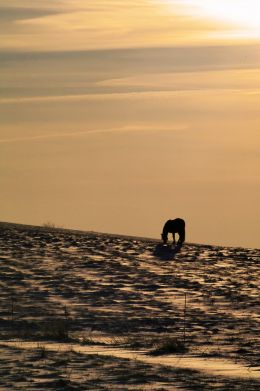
point(56, 74)
point(89, 132)
point(80, 25)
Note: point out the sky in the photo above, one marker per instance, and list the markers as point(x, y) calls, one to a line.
point(116, 116)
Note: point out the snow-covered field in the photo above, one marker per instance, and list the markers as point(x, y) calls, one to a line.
point(90, 311)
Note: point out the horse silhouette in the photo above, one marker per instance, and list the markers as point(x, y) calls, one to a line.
point(173, 227)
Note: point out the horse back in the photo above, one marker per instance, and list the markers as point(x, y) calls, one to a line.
point(176, 225)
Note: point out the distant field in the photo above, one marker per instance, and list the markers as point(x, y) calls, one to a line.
point(91, 311)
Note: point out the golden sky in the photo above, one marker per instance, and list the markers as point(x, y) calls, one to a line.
point(115, 116)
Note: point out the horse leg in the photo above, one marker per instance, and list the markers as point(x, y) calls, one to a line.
point(173, 238)
point(181, 238)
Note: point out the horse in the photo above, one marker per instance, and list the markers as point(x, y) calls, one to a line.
point(173, 227)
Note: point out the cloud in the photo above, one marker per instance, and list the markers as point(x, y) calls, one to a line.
point(235, 79)
point(81, 25)
point(40, 75)
point(25, 10)
point(129, 128)
point(8, 14)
